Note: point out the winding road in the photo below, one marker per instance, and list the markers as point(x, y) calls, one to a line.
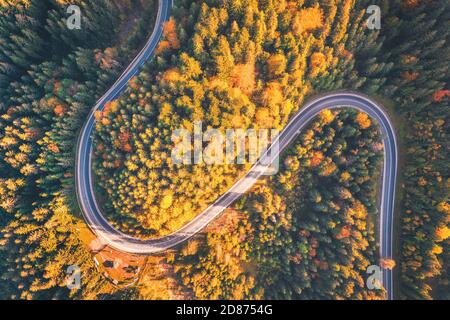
point(129, 244)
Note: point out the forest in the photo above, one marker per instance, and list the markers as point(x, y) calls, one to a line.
point(308, 232)
point(50, 77)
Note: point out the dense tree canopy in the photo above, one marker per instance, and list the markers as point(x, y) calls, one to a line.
point(250, 64)
point(308, 232)
point(50, 77)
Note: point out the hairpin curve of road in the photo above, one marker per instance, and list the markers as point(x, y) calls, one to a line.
point(126, 243)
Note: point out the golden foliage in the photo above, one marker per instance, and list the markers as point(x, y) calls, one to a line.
point(167, 201)
point(444, 207)
point(442, 233)
point(263, 118)
point(272, 95)
point(344, 18)
point(276, 65)
point(345, 176)
point(111, 106)
point(244, 77)
point(172, 75)
point(386, 263)
point(171, 40)
point(16, 3)
point(163, 46)
point(326, 116)
point(307, 20)
point(363, 120)
point(328, 169)
point(318, 63)
point(437, 249)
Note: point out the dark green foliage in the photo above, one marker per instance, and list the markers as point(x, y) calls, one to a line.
point(50, 77)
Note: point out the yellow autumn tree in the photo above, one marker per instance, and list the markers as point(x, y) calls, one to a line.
point(244, 77)
point(442, 233)
point(167, 201)
point(307, 20)
point(276, 65)
point(326, 116)
point(318, 63)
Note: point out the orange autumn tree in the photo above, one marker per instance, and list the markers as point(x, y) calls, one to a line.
point(362, 119)
point(307, 20)
point(263, 118)
point(59, 110)
point(440, 95)
point(272, 94)
point(276, 65)
point(170, 35)
point(345, 232)
point(386, 263)
point(442, 233)
point(318, 63)
point(172, 75)
point(316, 159)
point(124, 138)
point(244, 77)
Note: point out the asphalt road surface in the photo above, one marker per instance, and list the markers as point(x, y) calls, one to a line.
point(129, 244)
